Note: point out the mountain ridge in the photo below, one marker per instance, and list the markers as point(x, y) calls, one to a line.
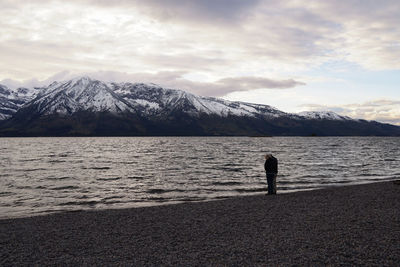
point(149, 109)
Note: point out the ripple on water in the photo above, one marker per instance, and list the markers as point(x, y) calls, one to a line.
point(250, 190)
point(31, 170)
point(135, 177)
point(56, 161)
point(162, 191)
point(88, 173)
point(229, 183)
point(7, 194)
point(29, 160)
point(80, 203)
point(67, 187)
point(58, 178)
point(109, 179)
point(96, 168)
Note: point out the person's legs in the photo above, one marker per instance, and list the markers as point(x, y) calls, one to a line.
point(271, 180)
point(274, 184)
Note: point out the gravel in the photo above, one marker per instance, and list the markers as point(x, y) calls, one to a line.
point(350, 225)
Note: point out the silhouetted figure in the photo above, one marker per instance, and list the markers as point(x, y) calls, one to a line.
point(271, 169)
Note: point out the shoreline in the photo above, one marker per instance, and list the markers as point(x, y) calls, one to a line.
point(352, 224)
point(179, 202)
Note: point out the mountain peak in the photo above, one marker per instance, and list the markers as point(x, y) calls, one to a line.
point(84, 80)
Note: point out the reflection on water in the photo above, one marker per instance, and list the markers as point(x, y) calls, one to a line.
point(42, 175)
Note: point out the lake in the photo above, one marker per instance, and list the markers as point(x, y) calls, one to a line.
point(46, 175)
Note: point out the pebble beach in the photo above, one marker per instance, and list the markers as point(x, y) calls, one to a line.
point(348, 225)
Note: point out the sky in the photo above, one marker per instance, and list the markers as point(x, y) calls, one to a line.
point(341, 56)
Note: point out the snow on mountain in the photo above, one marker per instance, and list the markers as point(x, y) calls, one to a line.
point(153, 99)
point(75, 95)
point(323, 115)
point(7, 107)
point(12, 100)
point(84, 93)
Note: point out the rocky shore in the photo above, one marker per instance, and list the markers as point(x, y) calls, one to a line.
point(350, 225)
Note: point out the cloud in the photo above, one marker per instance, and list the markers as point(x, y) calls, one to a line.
point(217, 88)
point(227, 85)
point(382, 110)
point(30, 83)
point(224, 38)
point(367, 35)
point(170, 79)
point(259, 82)
point(189, 11)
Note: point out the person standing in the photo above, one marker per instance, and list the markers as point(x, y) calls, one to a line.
point(271, 170)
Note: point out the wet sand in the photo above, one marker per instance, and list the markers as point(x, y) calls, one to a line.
point(351, 225)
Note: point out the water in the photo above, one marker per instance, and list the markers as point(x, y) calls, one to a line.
point(45, 175)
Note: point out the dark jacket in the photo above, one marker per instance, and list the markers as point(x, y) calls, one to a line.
point(271, 165)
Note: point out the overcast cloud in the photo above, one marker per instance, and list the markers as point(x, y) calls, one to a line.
point(171, 79)
point(42, 37)
point(208, 47)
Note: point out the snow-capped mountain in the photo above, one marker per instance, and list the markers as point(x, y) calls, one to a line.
point(86, 94)
point(153, 99)
point(76, 95)
point(84, 106)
